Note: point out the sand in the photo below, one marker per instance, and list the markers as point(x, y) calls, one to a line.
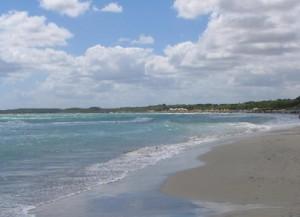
point(263, 170)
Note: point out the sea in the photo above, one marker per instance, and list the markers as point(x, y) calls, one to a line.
point(110, 165)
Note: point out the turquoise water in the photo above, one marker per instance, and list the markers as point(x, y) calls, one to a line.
point(44, 157)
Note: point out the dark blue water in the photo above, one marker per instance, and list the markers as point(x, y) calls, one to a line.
point(50, 156)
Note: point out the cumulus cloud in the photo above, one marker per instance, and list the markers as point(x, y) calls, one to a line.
point(71, 8)
point(18, 29)
point(101, 71)
point(250, 41)
point(27, 41)
point(112, 7)
point(191, 9)
point(250, 50)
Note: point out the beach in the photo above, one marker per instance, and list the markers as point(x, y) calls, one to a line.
point(262, 171)
point(113, 165)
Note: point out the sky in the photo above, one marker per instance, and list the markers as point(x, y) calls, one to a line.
point(80, 53)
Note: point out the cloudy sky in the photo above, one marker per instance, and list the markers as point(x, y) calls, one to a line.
point(65, 53)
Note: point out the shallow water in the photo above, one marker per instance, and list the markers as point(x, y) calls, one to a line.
point(48, 157)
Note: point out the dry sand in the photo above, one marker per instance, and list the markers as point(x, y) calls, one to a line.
point(264, 170)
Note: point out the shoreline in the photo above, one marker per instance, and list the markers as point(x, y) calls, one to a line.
point(263, 171)
point(275, 111)
point(47, 209)
point(141, 187)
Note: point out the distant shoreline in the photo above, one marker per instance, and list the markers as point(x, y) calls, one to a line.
point(289, 106)
point(158, 112)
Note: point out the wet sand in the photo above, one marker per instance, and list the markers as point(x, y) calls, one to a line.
point(263, 170)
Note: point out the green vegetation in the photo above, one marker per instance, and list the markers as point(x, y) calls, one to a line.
point(280, 105)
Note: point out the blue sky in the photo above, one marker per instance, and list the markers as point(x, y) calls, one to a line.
point(65, 53)
point(138, 17)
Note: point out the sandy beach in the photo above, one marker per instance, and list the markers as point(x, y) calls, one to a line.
point(263, 171)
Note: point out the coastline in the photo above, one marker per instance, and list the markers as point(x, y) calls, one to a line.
point(262, 171)
point(137, 194)
point(96, 200)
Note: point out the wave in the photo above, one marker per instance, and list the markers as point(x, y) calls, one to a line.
point(13, 123)
point(10, 208)
point(119, 168)
point(281, 122)
point(22, 123)
point(116, 170)
point(135, 120)
point(248, 127)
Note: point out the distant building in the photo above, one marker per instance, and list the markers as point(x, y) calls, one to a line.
point(178, 110)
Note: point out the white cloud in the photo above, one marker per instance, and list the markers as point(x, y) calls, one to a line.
point(141, 40)
point(112, 7)
point(72, 8)
point(27, 42)
point(250, 50)
point(242, 38)
point(18, 29)
point(190, 9)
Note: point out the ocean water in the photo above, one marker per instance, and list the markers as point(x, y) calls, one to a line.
point(45, 158)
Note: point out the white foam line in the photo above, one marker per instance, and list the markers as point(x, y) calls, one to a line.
point(125, 165)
